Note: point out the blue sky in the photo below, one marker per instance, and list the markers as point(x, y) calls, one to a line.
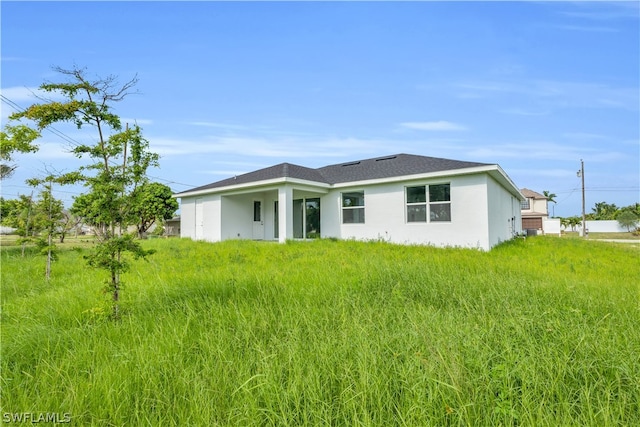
point(230, 87)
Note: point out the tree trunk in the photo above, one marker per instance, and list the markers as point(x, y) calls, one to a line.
point(48, 269)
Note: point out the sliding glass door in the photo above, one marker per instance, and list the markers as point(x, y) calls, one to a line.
point(306, 218)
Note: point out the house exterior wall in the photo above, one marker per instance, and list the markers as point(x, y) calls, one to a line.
point(210, 223)
point(385, 214)
point(538, 206)
point(237, 217)
point(187, 217)
point(482, 213)
point(505, 218)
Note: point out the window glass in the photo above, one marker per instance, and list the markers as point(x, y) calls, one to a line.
point(440, 212)
point(417, 213)
point(416, 194)
point(353, 216)
point(257, 215)
point(353, 207)
point(353, 199)
point(439, 193)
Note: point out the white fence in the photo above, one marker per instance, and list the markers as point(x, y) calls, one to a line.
point(551, 226)
point(611, 226)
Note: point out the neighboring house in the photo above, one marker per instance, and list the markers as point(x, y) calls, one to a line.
point(401, 198)
point(172, 226)
point(534, 210)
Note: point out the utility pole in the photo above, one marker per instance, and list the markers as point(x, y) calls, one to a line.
point(584, 216)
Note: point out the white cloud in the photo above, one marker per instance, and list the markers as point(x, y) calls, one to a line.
point(433, 126)
point(549, 173)
point(587, 28)
point(544, 95)
point(283, 147)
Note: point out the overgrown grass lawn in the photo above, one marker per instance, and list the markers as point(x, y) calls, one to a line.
point(537, 332)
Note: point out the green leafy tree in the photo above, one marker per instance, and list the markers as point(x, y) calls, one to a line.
point(21, 214)
point(634, 209)
point(551, 198)
point(68, 223)
point(573, 222)
point(49, 214)
point(7, 206)
point(628, 220)
point(118, 161)
point(15, 139)
point(152, 204)
point(603, 211)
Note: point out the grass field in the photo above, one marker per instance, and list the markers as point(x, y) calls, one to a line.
point(537, 332)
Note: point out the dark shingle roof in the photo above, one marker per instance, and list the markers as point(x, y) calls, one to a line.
point(282, 170)
point(361, 170)
point(390, 166)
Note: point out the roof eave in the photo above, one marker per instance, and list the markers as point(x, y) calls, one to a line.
point(241, 188)
point(494, 170)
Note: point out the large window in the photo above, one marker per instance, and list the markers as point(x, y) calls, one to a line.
point(353, 207)
point(429, 201)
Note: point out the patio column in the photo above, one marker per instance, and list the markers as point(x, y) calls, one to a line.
point(285, 213)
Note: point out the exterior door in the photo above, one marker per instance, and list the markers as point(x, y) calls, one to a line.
point(258, 220)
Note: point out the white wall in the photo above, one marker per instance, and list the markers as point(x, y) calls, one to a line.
point(211, 217)
point(603, 227)
point(237, 217)
point(551, 226)
point(504, 212)
point(188, 217)
point(385, 215)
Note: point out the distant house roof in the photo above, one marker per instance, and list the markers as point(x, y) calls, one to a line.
point(360, 170)
point(530, 194)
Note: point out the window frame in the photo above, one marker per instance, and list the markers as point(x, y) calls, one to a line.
point(360, 218)
point(429, 207)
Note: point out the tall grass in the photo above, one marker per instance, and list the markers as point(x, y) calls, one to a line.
point(535, 332)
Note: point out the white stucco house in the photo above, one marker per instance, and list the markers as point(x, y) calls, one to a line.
point(402, 198)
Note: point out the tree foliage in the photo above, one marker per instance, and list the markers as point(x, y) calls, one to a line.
point(18, 213)
point(152, 204)
point(551, 197)
point(49, 214)
point(628, 220)
point(603, 211)
point(15, 139)
point(117, 163)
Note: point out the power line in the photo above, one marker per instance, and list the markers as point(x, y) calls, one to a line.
point(53, 130)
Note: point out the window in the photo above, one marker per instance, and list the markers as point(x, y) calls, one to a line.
point(257, 211)
point(525, 205)
point(353, 207)
point(440, 202)
point(437, 204)
point(417, 204)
